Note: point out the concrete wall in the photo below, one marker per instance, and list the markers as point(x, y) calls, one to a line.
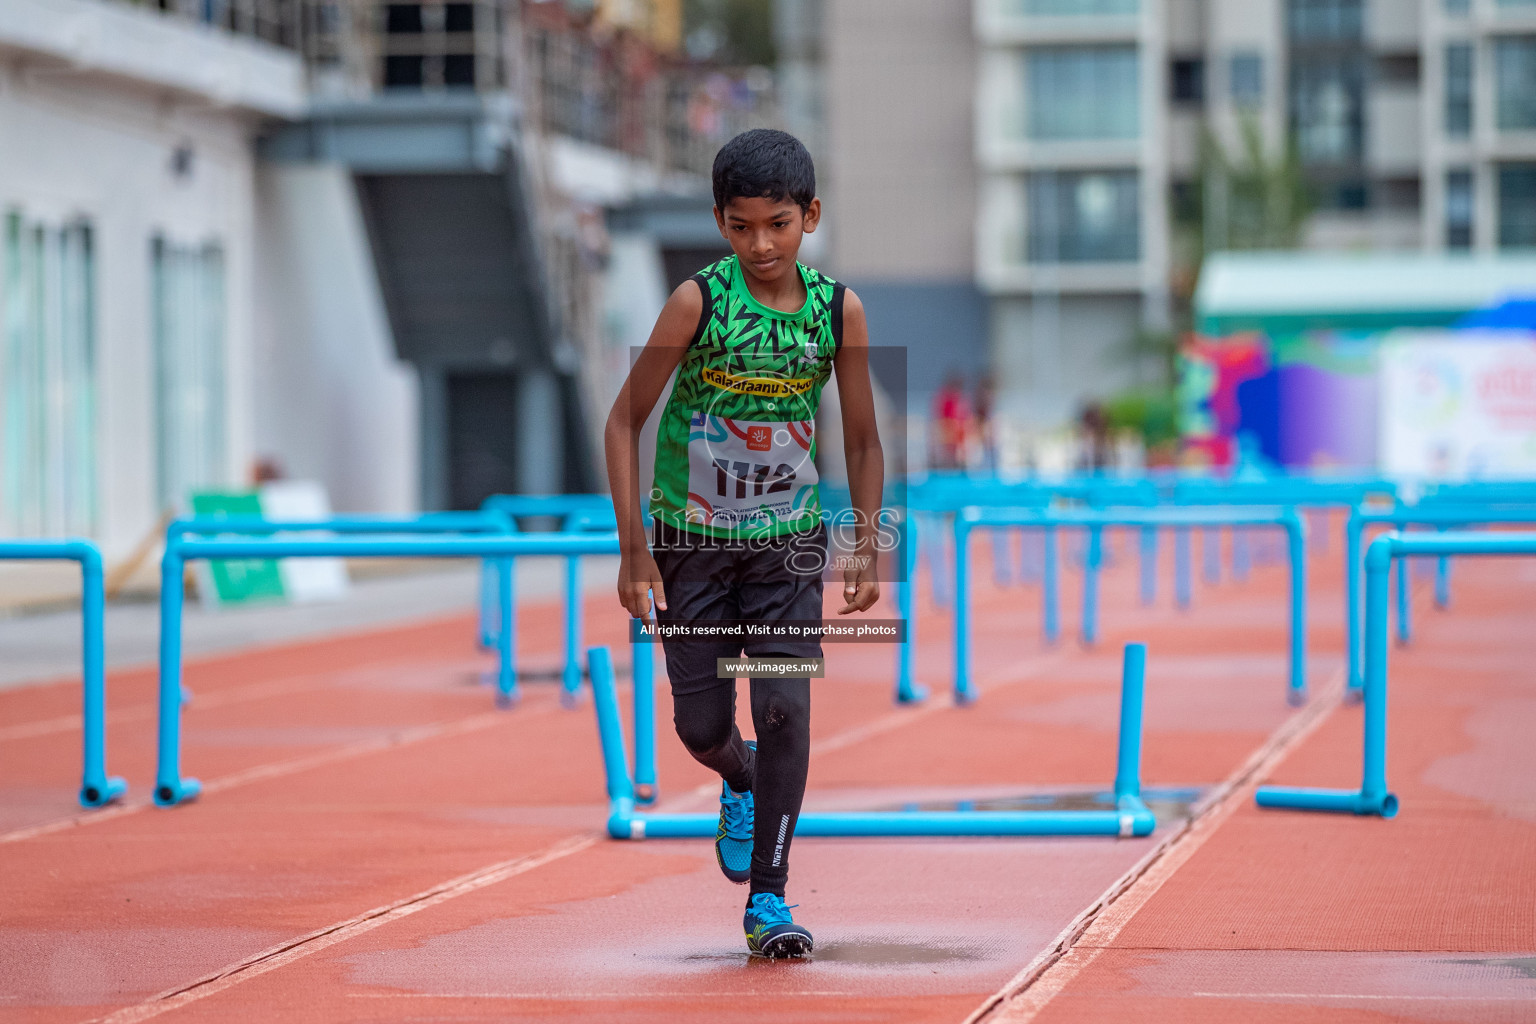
point(899, 179)
point(334, 403)
point(102, 149)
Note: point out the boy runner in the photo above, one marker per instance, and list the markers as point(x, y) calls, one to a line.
point(736, 511)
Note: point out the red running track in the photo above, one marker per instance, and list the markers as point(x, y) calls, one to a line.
point(379, 843)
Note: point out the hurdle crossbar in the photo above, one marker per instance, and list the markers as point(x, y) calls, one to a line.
point(1440, 516)
point(1131, 817)
point(1373, 796)
point(96, 786)
point(577, 513)
point(170, 787)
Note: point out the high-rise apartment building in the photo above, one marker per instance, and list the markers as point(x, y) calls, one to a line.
point(1112, 141)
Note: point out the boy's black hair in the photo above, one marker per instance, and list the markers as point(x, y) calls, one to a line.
point(764, 163)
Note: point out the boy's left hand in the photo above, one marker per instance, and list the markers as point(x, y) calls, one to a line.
point(859, 593)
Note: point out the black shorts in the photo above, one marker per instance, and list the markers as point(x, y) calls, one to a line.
point(708, 578)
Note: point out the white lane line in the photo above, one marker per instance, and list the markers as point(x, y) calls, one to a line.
point(205, 700)
point(1316, 996)
point(1043, 978)
point(296, 949)
point(42, 727)
point(278, 769)
point(572, 997)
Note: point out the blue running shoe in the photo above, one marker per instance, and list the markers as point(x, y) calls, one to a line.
point(733, 839)
point(771, 931)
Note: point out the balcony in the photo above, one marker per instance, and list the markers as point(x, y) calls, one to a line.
point(1016, 22)
point(166, 49)
point(278, 22)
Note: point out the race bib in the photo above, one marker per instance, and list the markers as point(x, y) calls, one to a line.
point(744, 474)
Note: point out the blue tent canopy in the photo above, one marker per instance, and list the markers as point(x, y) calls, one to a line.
point(1511, 314)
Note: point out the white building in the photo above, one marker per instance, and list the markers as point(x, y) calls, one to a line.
point(1056, 143)
point(127, 252)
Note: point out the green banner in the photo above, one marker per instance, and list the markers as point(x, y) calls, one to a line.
point(243, 580)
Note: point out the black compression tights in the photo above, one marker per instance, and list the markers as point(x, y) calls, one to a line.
point(781, 715)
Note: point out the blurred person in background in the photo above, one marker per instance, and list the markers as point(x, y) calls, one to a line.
point(1093, 425)
point(951, 424)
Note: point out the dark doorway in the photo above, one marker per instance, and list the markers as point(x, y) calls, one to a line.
point(482, 437)
point(681, 264)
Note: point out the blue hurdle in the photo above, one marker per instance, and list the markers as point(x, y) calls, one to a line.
point(96, 786)
point(1094, 521)
point(908, 689)
point(1131, 817)
point(1373, 797)
point(170, 787)
point(577, 513)
point(1439, 516)
point(500, 579)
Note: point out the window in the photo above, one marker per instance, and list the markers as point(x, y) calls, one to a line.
point(1082, 92)
point(402, 18)
point(459, 18)
point(404, 71)
point(1458, 209)
point(1327, 93)
point(1324, 20)
point(1515, 85)
point(188, 284)
point(1186, 77)
point(1457, 8)
point(1245, 79)
point(1078, 216)
point(1398, 70)
point(1517, 205)
point(1399, 194)
point(48, 380)
point(1458, 90)
point(459, 69)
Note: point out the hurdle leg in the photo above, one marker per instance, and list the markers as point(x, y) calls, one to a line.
point(1029, 556)
point(610, 734)
point(1182, 584)
point(571, 677)
point(1051, 599)
point(170, 787)
point(1404, 625)
point(1296, 546)
point(643, 676)
point(1353, 531)
point(1374, 794)
point(965, 692)
point(1148, 564)
point(488, 590)
point(1135, 817)
point(908, 691)
point(96, 787)
point(506, 636)
point(1211, 548)
point(938, 565)
point(1372, 797)
point(1242, 556)
point(1000, 558)
point(1092, 558)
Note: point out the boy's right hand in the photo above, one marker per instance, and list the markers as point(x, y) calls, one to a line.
point(639, 578)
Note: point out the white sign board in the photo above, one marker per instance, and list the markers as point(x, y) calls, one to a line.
point(1458, 405)
point(304, 579)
